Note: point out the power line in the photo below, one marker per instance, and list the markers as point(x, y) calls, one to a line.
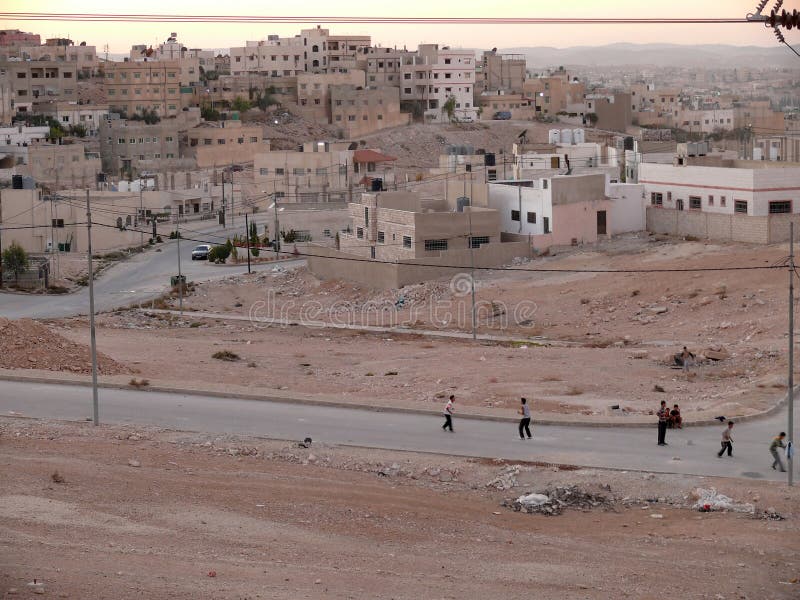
point(177, 18)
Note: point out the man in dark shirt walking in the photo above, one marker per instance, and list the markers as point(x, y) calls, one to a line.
point(525, 421)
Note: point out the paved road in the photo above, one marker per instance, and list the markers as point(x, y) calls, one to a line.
point(628, 448)
point(140, 278)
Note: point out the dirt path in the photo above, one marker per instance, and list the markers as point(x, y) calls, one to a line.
point(278, 522)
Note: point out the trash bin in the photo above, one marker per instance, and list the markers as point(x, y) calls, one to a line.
point(173, 281)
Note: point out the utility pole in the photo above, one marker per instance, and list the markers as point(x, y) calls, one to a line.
point(275, 206)
point(247, 237)
point(180, 276)
point(141, 214)
point(233, 223)
point(790, 454)
point(92, 335)
point(1, 243)
point(472, 270)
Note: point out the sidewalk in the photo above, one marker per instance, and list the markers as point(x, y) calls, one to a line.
point(244, 393)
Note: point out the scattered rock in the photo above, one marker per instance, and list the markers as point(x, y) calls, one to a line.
point(134, 463)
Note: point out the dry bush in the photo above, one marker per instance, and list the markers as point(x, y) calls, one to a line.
point(56, 477)
point(138, 383)
point(585, 300)
point(427, 346)
point(635, 293)
point(226, 355)
point(601, 343)
point(574, 390)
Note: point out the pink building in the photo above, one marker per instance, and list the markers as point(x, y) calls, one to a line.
point(15, 37)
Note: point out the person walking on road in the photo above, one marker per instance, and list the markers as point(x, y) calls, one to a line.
point(773, 449)
point(727, 440)
point(448, 414)
point(525, 421)
point(663, 421)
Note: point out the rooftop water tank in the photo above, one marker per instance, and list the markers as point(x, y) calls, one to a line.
point(566, 136)
point(554, 137)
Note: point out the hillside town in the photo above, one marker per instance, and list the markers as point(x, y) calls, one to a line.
point(272, 316)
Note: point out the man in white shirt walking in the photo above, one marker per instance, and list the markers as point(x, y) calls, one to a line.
point(448, 414)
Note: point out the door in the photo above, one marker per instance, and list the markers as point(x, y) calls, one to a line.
point(679, 204)
point(555, 162)
point(372, 252)
point(546, 223)
point(601, 222)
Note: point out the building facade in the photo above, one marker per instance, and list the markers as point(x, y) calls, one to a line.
point(136, 87)
point(223, 143)
point(359, 111)
point(34, 83)
point(505, 72)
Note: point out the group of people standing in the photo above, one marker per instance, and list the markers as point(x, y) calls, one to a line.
point(667, 419)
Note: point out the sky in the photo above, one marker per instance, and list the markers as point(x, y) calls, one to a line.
point(120, 36)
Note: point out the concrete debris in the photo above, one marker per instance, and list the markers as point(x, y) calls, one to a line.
point(557, 499)
point(707, 500)
point(505, 480)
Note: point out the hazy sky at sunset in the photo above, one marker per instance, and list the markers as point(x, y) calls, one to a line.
point(120, 36)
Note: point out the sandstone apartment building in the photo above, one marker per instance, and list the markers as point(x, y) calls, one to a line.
point(311, 51)
point(223, 143)
point(35, 83)
point(747, 201)
point(359, 111)
point(407, 238)
point(136, 87)
point(506, 72)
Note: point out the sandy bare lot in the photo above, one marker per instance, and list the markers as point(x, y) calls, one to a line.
point(603, 339)
point(147, 513)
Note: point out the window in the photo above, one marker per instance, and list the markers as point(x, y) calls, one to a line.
point(711, 200)
point(722, 201)
point(120, 140)
point(531, 217)
point(263, 171)
point(656, 199)
point(326, 233)
point(478, 240)
point(406, 241)
point(406, 90)
point(366, 214)
point(780, 206)
point(669, 196)
point(132, 141)
point(515, 215)
point(220, 142)
point(279, 171)
point(381, 237)
point(298, 171)
point(435, 245)
point(58, 223)
point(695, 202)
point(740, 206)
point(546, 221)
point(168, 139)
point(360, 233)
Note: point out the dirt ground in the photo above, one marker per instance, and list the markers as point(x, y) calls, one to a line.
point(587, 330)
point(150, 513)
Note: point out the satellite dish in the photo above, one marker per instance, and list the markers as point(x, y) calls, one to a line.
point(523, 134)
point(353, 146)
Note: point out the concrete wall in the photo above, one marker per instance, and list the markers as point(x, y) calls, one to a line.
point(727, 227)
point(327, 263)
point(627, 211)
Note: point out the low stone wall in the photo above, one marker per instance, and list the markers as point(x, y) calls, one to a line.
point(328, 263)
point(734, 228)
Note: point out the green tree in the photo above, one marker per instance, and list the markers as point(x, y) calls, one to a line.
point(209, 114)
point(240, 104)
point(15, 259)
point(449, 108)
point(219, 253)
point(253, 234)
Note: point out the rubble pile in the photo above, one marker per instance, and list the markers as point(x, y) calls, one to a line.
point(553, 501)
point(506, 480)
point(26, 344)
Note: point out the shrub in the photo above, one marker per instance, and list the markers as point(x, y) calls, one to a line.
point(226, 355)
point(15, 259)
point(219, 254)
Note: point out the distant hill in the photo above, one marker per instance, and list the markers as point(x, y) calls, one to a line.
point(659, 55)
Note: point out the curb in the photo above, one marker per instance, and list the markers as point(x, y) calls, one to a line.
point(356, 406)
